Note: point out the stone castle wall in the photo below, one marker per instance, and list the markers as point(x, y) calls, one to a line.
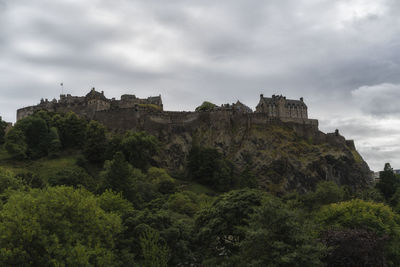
point(131, 113)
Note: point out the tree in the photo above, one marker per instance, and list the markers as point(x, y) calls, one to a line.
point(175, 231)
point(15, 143)
point(362, 215)
point(73, 176)
point(154, 253)
point(139, 149)
point(354, 248)
point(36, 134)
point(28, 138)
point(3, 126)
point(183, 202)
point(72, 130)
point(54, 142)
point(278, 236)
point(8, 182)
point(219, 228)
point(325, 193)
point(117, 174)
point(114, 202)
point(206, 106)
point(57, 226)
point(160, 178)
point(388, 182)
point(96, 142)
point(207, 166)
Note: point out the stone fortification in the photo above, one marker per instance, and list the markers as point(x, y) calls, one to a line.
point(132, 113)
point(87, 106)
point(129, 107)
point(276, 140)
point(279, 106)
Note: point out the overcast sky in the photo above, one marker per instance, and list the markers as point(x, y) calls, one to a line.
point(342, 56)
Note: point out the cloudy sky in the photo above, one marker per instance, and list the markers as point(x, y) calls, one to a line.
point(342, 56)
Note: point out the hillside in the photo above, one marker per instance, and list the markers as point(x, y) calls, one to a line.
point(283, 159)
point(219, 189)
point(284, 154)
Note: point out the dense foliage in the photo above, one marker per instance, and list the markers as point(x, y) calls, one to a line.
point(74, 194)
point(57, 226)
point(206, 106)
point(3, 126)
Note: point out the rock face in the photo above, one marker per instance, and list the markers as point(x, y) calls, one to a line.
point(284, 155)
point(278, 142)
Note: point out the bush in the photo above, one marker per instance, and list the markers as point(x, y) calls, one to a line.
point(139, 149)
point(15, 144)
point(73, 176)
point(279, 236)
point(207, 166)
point(361, 215)
point(57, 226)
point(96, 142)
point(3, 126)
point(206, 106)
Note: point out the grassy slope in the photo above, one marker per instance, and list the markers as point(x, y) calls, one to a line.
point(46, 167)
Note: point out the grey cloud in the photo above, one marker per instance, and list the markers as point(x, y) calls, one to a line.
point(379, 100)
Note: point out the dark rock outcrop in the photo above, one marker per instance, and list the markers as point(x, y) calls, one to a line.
point(284, 155)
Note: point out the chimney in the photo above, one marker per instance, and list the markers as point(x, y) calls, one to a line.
point(261, 95)
point(301, 99)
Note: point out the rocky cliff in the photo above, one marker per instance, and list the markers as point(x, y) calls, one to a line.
point(284, 155)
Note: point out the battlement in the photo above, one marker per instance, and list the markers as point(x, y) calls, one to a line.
point(92, 102)
point(279, 106)
point(131, 112)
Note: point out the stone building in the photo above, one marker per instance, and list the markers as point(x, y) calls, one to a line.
point(280, 107)
point(236, 107)
point(94, 101)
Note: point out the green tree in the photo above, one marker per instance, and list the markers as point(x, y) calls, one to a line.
point(160, 178)
point(96, 142)
point(183, 202)
point(58, 226)
point(373, 217)
point(154, 253)
point(388, 182)
point(325, 193)
point(54, 142)
point(114, 202)
point(15, 143)
point(207, 166)
point(117, 174)
point(72, 130)
point(8, 182)
point(139, 149)
point(73, 176)
point(3, 126)
point(278, 236)
point(219, 228)
point(175, 231)
point(36, 135)
point(206, 106)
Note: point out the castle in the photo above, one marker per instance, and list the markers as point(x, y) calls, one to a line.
point(94, 102)
point(280, 107)
point(87, 106)
point(132, 113)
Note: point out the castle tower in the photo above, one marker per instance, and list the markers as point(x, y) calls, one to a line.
point(280, 107)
